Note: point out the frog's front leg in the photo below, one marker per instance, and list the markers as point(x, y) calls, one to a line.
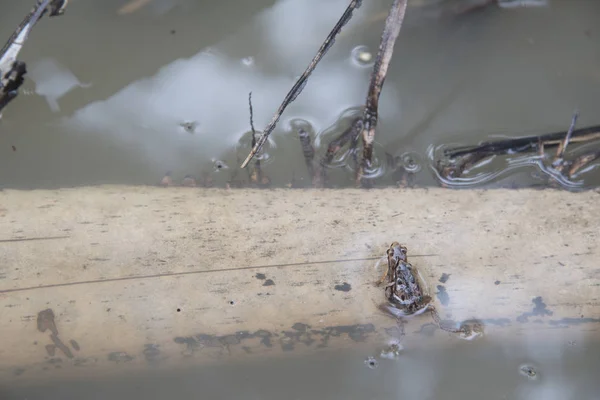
point(383, 278)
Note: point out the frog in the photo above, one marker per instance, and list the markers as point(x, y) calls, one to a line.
point(406, 294)
point(404, 290)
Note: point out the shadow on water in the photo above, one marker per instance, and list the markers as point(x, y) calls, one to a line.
point(164, 87)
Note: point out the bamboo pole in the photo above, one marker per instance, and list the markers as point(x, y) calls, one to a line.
point(145, 277)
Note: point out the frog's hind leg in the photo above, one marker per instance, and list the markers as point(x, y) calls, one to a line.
point(438, 321)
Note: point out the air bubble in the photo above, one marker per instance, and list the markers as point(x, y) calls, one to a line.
point(189, 126)
point(371, 362)
point(219, 165)
point(248, 61)
point(362, 57)
point(529, 371)
point(411, 162)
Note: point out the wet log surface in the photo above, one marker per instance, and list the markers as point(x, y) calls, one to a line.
point(108, 279)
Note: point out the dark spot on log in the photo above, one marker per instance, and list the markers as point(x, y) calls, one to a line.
point(444, 278)
point(269, 282)
point(539, 309)
point(345, 287)
point(260, 276)
point(299, 326)
point(358, 332)
point(442, 295)
point(119, 357)
point(265, 337)
point(287, 346)
point(56, 360)
point(179, 310)
point(74, 345)
point(58, 343)
point(229, 340)
point(50, 349)
point(497, 283)
point(151, 352)
point(45, 320)
point(18, 371)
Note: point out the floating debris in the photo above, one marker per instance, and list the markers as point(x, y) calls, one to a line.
point(529, 371)
point(371, 362)
point(392, 351)
point(219, 165)
point(189, 126)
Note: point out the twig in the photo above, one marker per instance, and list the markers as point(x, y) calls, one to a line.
point(256, 175)
point(563, 145)
point(301, 82)
point(583, 161)
point(393, 23)
point(525, 144)
point(308, 151)
point(251, 114)
point(351, 135)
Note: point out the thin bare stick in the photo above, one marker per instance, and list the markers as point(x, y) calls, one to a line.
point(563, 145)
point(340, 141)
point(351, 135)
point(301, 82)
point(393, 23)
point(251, 114)
point(583, 161)
point(308, 151)
point(526, 144)
point(256, 175)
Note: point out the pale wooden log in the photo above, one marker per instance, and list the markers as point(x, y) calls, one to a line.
point(264, 273)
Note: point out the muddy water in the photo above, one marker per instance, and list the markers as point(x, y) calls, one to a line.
point(121, 94)
point(473, 370)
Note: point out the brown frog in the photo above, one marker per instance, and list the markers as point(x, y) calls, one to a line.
point(406, 294)
point(404, 290)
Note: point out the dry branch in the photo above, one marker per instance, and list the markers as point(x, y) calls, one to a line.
point(301, 82)
point(393, 23)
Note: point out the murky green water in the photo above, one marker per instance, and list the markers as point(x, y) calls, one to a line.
point(109, 96)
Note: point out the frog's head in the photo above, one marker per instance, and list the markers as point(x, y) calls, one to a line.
point(397, 251)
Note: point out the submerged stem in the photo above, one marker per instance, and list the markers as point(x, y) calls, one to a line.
point(393, 23)
point(301, 82)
